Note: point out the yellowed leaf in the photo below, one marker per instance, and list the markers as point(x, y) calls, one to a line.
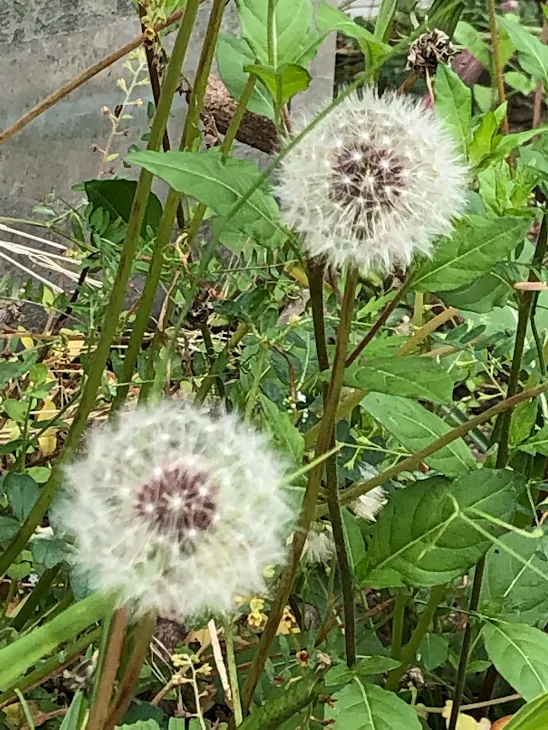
point(465, 722)
point(48, 440)
point(28, 342)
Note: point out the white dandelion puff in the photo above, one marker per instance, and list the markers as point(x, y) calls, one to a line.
point(188, 522)
point(373, 183)
point(370, 504)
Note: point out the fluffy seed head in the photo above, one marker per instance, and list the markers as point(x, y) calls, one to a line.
point(370, 504)
point(373, 183)
point(176, 511)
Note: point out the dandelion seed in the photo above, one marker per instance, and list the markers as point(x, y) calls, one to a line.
point(370, 504)
point(187, 523)
point(373, 183)
point(319, 547)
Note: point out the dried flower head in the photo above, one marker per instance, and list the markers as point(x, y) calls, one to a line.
point(370, 504)
point(319, 547)
point(373, 183)
point(429, 50)
point(176, 511)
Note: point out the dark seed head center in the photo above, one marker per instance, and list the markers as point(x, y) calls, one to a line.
point(177, 501)
point(367, 178)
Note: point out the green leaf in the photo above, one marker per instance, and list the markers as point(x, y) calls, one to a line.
point(532, 54)
point(469, 37)
point(14, 370)
point(116, 197)
point(284, 83)
point(384, 19)
point(16, 658)
point(520, 654)
point(282, 428)
point(219, 183)
point(482, 140)
point(515, 581)
point(415, 427)
point(49, 551)
point(232, 55)
point(141, 725)
point(354, 539)
point(532, 716)
point(481, 295)
point(22, 493)
point(76, 712)
point(420, 537)
point(537, 444)
point(360, 706)
point(8, 528)
point(331, 18)
point(473, 250)
point(523, 420)
point(454, 104)
point(433, 651)
point(17, 410)
point(293, 23)
point(409, 377)
point(364, 667)
point(176, 723)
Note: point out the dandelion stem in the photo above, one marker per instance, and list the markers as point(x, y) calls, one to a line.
point(99, 710)
point(525, 311)
point(233, 673)
point(311, 495)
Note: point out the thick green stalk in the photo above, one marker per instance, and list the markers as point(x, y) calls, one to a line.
point(116, 302)
point(410, 649)
point(525, 311)
point(310, 497)
point(498, 75)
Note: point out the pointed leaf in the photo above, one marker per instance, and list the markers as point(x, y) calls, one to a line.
point(361, 706)
point(537, 444)
point(520, 654)
point(475, 247)
point(416, 427)
point(532, 54)
point(420, 537)
point(532, 716)
point(454, 104)
point(232, 55)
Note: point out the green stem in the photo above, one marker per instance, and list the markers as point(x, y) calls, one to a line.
point(410, 649)
point(233, 674)
point(220, 363)
point(525, 310)
point(28, 608)
point(316, 270)
point(397, 623)
point(411, 463)
point(114, 307)
point(538, 340)
point(497, 63)
point(310, 497)
point(272, 51)
point(259, 372)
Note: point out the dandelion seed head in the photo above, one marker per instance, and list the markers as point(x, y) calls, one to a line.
point(185, 524)
point(374, 183)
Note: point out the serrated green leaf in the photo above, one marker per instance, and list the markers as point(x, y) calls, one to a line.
point(220, 183)
point(482, 140)
point(454, 104)
point(515, 581)
point(232, 55)
point(476, 246)
point(520, 654)
point(409, 377)
point(361, 706)
point(532, 54)
point(420, 537)
point(416, 427)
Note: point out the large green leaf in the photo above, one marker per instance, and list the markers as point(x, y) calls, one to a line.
point(426, 535)
point(454, 104)
point(284, 82)
point(532, 716)
point(384, 19)
point(532, 54)
point(292, 28)
point(410, 377)
point(474, 249)
point(330, 18)
point(220, 183)
point(416, 427)
point(520, 654)
point(469, 37)
point(232, 55)
point(361, 706)
point(116, 197)
point(515, 582)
